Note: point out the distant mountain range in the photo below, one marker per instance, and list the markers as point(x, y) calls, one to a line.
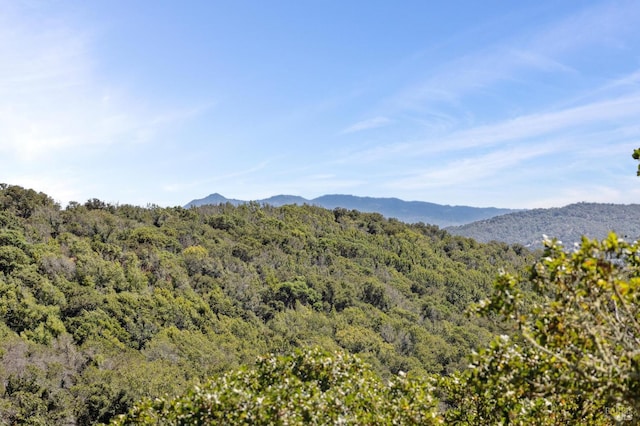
point(406, 211)
point(568, 224)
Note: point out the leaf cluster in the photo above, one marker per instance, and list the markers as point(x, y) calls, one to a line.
point(575, 356)
point(309, 387)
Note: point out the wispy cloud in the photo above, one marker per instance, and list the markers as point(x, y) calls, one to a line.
point(458, 121)
point(619, 114)
point(217, 179)
point(52, 100)
point(540, 62)
point(371, 123)
point(607, 23)
point(470, 168)
point(535, 125)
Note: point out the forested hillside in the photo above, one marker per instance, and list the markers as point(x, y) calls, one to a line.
point(103, 305)
point(568, 224)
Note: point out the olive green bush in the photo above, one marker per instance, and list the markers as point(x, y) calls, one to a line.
point(310, 387)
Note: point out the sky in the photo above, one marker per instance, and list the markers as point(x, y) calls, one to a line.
point(480, 103)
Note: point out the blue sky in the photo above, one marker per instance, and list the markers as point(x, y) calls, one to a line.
point(492, 103)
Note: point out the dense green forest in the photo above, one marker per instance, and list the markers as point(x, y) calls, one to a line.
point(572, 359)
point(104, 305)
point(262, 315)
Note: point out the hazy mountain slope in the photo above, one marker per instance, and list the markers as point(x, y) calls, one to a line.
point(568, 224)
point(406, 211)
point(282, 200)
point(213, 199)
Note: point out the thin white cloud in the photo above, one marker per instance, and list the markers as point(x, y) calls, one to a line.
point(217, 179)
point(541, 62)
point(632, 79)
point(371, 123)
point(535, 125)
point(52, 101)
point(605, 24)
point(629, 83)
point(618, 115)
point(471, 168)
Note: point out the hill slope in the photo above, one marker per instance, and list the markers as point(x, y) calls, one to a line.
point(406, 211)
point(568, 224)
point(103, 305)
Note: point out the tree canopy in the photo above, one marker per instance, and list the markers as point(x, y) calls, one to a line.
point(636, 156)
point(163, 315)
point(103, 305)
point(571, 357)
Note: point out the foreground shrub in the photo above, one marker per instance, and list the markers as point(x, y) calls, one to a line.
point(574, 356)
point(310, 387)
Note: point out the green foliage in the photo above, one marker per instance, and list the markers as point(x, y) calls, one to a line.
point(23, 202)
point(102, 306)
point(574, 358)
point(292, 292)
point(186, 294)
point(309, 387)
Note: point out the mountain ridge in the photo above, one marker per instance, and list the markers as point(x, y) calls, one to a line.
point(406, 211)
